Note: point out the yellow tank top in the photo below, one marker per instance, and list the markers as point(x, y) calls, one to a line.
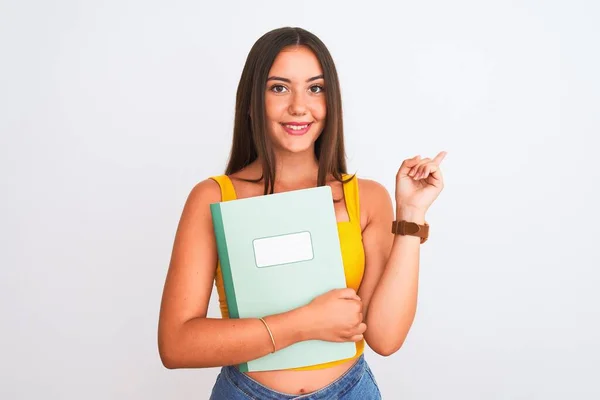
point(351, 245)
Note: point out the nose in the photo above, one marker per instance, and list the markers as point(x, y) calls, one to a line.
point(298, 104)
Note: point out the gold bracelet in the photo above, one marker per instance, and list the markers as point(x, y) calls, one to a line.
point(270, 334)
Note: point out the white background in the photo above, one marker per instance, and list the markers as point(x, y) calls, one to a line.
point(110, 112)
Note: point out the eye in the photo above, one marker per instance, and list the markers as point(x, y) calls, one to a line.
point(278, 88)
point(317, 89)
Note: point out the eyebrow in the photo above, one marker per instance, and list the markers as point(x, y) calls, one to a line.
point(278, 78)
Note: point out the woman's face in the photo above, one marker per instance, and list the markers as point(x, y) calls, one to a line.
point(295, 100)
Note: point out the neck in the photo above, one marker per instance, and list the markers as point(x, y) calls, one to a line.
point(291, 168)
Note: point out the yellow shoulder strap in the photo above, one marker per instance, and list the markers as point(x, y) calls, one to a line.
point(227, 189)
point(351, 198)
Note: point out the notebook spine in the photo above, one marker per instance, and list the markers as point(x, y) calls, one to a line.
point(223, 252)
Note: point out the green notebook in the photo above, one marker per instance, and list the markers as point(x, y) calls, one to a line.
point(277, 253)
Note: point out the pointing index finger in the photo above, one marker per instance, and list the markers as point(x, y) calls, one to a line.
point(438, 159)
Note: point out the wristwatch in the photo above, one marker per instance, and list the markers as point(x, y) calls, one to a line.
point(412, 229)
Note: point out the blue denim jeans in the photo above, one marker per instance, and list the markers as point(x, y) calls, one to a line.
point(356, 383)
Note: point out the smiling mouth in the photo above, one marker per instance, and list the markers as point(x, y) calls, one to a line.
point(296, 129)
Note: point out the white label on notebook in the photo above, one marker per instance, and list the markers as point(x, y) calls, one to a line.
point(283, 249)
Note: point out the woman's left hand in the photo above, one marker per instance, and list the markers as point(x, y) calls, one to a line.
point(419, 182)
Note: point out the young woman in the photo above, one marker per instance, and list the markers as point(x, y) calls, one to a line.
point(288, 135)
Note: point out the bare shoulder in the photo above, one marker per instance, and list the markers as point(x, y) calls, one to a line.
point(372, 193)
point(203, 193)
point(195, 231)
point(375, 199)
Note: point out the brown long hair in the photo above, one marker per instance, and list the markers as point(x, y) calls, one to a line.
point(250, 139)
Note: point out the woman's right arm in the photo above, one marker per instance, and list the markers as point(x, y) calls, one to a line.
point(188, 339)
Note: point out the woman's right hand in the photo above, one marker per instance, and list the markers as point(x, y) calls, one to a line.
point(336, 316)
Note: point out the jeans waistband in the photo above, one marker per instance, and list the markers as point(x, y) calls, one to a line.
point(254, 389)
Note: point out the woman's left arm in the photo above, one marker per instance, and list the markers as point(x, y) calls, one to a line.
point(389, 287)
point(390, 284)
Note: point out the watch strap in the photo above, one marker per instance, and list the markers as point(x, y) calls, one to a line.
point(404, 227)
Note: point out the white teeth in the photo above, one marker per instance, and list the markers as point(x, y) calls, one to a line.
point(296, 128)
